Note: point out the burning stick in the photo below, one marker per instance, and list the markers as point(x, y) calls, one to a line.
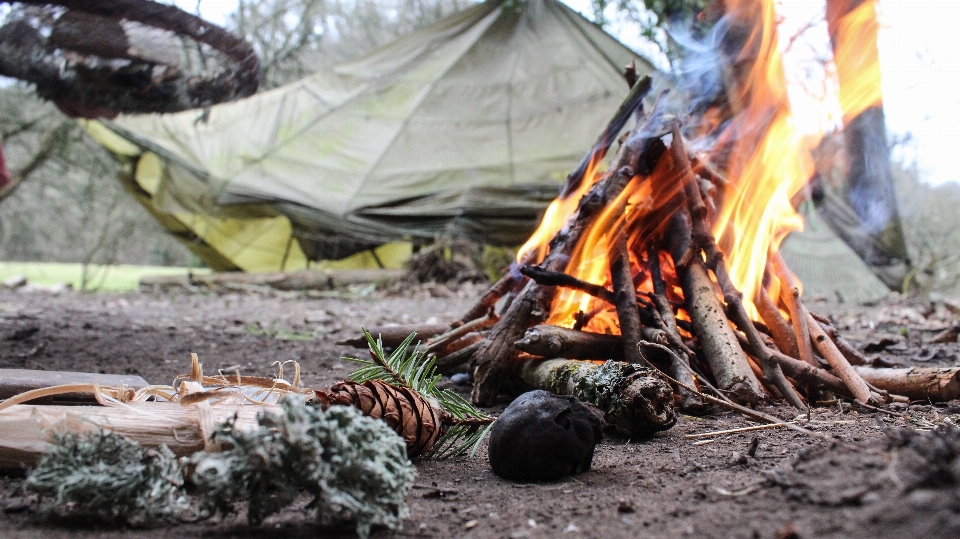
point(790, 295)
point(553, 341)
point(557, 278)
point(719, 343)
point(781, 331)
point(625, 300)
point(679, 363)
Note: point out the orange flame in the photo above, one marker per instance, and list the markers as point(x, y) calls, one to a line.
point(854, 32)
point(558, 213)
point(772, 159)
point(770, 162)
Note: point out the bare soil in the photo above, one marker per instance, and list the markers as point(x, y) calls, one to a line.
point(665, 486)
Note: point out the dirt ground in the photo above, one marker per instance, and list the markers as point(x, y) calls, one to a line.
point(665, 486)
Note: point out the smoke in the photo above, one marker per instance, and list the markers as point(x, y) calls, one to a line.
point(699, 72)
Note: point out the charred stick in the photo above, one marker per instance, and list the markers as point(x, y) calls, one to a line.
point(440, 341)
point(494, 355)
point(490, 297)
point(451, 362)
point(630, 73)
point(461, 343)
point(634, 101)
point(582, 319)
point(659, 296)
point(624, 295)
point(706, 170)
point(841, 367)
point(392, 336)
point(779, 328)
point(556, 342)
point(924, 384)
point(664, 314)
point(790, 295)
point(558, 278)
point(680, 364)
point(531, 306)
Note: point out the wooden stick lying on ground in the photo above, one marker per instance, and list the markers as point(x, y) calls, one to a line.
point(916, 383)
point(17, 381)
point(392, 336)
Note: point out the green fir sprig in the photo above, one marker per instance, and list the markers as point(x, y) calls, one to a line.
point(466, 426)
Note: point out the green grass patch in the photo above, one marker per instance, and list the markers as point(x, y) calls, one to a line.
point(119, 277)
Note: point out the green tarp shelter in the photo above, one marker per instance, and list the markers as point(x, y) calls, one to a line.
point(468, 126)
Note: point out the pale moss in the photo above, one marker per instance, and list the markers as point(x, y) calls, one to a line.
point(350, 464)
point(107, 477)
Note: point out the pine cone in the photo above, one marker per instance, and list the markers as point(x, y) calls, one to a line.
point(419, 422)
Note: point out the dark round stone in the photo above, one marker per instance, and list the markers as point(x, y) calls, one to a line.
point(542, 437)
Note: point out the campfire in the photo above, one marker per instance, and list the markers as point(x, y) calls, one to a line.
point(669, 257)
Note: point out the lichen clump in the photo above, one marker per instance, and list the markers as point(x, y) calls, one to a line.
point(109, 478)
point(351, 465)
